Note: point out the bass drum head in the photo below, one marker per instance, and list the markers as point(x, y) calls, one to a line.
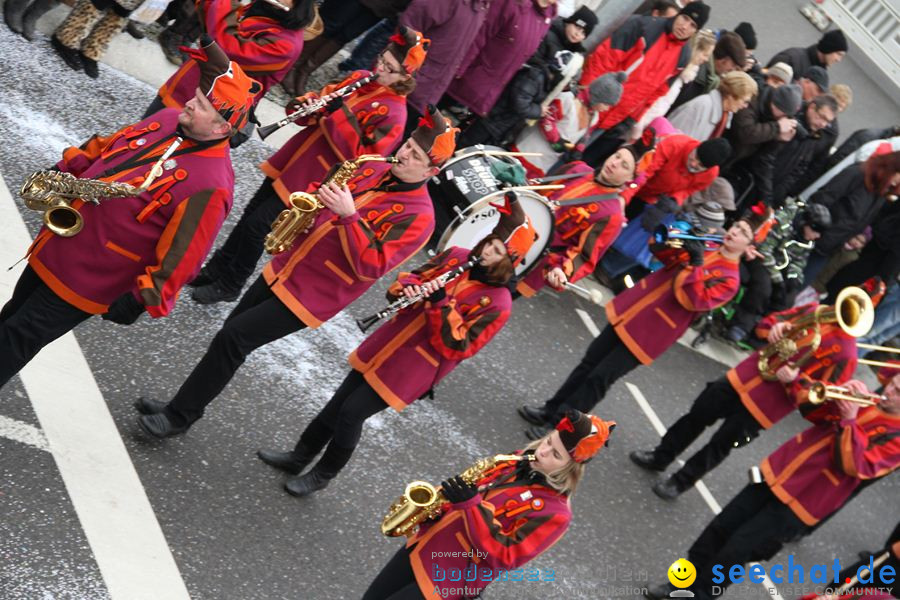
point(480, 218)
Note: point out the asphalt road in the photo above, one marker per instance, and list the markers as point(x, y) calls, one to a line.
point(231, 530)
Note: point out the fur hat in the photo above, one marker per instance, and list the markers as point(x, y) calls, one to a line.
point(409, 47)
point(833, 41)
point(514, 228)
point(436, 135)
point(583, 435)
point(697, 11)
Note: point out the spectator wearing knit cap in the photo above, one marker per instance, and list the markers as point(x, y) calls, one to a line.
point(747, 33)
point(813, 83)
point(828, 51)
point(779, 74)
point(584, 18)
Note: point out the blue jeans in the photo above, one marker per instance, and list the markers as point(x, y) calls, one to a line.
point(887, 320)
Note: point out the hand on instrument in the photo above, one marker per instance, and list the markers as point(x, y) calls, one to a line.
point(857, 242)
point(334, 102)
point(300, 101)
point(856, 387)
point(338, 200)
point(457, 491)
point(434, 290)
point(778, 331)
point(125, 310)
point(787, 373)
point(696, 250)
point(556, 277)
point(751, 253)
point(847, 409)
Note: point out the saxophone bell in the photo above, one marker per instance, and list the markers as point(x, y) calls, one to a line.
point(63, 220)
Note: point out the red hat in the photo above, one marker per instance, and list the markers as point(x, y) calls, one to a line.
point(436, 135)
point(514, 228)
point(583, 435)
point(409, 47)
point(229, 89)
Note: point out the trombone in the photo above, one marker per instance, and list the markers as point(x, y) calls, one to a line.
point(820, 393)
point(878, 363)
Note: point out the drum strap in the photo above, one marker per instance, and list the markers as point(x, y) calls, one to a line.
point(586, 199)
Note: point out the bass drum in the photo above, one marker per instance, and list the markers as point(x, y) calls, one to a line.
point(480, 218)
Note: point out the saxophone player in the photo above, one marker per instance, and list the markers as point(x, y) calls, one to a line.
point(370, 121)
point(748, 402)
point(513, 514)
point(134, 254)
point(373, 223)
point(407, 356)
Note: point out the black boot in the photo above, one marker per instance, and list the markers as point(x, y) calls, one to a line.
point(292, 462)
point(204, 277)
point(213, 293)
point(70, 56)
point(668, 489)
point(149, 406)
point(169, 42)
point(317, 478)
point(647, 459)
point(13, 11)
point(536, 415)
point(91, 68)
point(536, 432)
point(159, 426)
point(35, 12)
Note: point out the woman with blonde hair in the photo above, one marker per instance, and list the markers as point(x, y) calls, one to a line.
point(708, 116)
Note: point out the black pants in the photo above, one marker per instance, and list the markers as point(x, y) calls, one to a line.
point(718, 401)
point(396, 580)
point(233, 262)
point(345, 20)
point(31, 319)
point(850, 571)
point(753, 526)
point(259, 318)
point(872, 261)
point(339, 424)
point(606, 360)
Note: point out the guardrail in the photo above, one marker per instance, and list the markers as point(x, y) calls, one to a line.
point(874, 26)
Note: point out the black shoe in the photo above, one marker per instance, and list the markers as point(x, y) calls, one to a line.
point(70, 56)
point(149, 406)
point(91, 68)
point(169, 43)
point(646, 459)
point(536, 415)
point(659, 592)
point(159, 426)
point(306, 484)
point(204, 277)
point(213, 293)
point(667, 490)
point(537, 431)
point(285, 461)
point(134, 30)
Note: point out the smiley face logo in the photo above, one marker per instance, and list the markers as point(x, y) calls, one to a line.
point(682, 573)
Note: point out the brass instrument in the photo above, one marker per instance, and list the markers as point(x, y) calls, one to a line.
point(49, 191)
point(852, 311)
point(820, 393)
point(421, 501)
point(878, 363)
point(305, 206)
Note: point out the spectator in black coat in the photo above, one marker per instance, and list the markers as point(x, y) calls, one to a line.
point(858, 138)
point(830, 50)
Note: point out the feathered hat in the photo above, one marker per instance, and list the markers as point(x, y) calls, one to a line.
point(583, 435)
point(436, 135)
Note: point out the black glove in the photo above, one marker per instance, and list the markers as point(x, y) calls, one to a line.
point(696, 250)
point(125, 310)
point(437, 295)
point(457, 491)
point(334, 105)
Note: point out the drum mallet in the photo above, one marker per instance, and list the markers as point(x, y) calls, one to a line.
point(595, 296)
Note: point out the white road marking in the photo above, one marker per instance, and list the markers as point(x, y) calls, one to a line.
point(588, 322)
point(23, 433)
point(112, 506)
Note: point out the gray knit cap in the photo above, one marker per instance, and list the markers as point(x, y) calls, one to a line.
point(607, 89)
point(788, 99)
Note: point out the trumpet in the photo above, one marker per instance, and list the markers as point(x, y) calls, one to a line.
point(404, 301)
point(820, 393)
point(317, 105)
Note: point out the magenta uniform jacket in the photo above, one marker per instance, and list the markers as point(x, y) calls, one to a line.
point(451, 27)
point(369, 121)
point(412, 352)
point(338, 259)
point(508, 525)
point(816, 472)
point(653, 314)
point(511, 33)
point(149, 244)
point(770, 401)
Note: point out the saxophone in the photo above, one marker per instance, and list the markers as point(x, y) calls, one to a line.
point(304, 207)
point(421, 501)
point(48, 191)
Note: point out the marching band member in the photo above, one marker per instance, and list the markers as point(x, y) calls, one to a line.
point(134, 254)
point(404, 359)
point(807, 479)
point(748, 402)
point(584, 231)
point(369, 226)
point(645, 320)
point(370, 121)
point(514, 514)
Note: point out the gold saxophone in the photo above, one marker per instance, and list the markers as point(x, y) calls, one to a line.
point(49, 191)
point(852, 311)
point(305, 206)
point(421, 501)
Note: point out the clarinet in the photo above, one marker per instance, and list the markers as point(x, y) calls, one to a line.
point(317, 105)
point(404, 301)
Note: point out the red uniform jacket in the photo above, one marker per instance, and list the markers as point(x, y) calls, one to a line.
point(668, 175)
point(412, 352)
point(370, 121)
point(817, 471)
point(770, 401)
point(337, 260)
point(645, 48)
point(149, 244)
point(263, 48)
point(653, 314)
point(583, 231)
point(512, 523)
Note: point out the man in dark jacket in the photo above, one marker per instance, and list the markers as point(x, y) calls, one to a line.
point(802, 160)
point(729, 54)
point(756, 133)
point(830, 50)
point(859, 138)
